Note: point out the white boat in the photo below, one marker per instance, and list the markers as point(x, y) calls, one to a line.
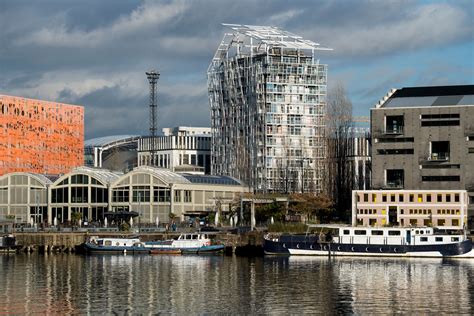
point(338, 240)
point(186, 243)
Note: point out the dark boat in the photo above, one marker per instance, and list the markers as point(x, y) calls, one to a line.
point(337, 240)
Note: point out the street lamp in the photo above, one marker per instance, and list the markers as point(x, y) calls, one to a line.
point(139, 209)
point(37, 206)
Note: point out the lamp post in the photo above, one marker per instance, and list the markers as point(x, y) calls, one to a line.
point(139, 210)
point(37, 207)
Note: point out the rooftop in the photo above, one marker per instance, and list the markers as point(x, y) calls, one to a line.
point(460, 95)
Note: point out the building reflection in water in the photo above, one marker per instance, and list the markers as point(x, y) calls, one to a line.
point(68, 284)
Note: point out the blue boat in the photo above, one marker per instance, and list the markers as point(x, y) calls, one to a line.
point(115, 245)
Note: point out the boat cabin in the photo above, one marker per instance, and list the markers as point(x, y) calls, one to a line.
point(388, 235)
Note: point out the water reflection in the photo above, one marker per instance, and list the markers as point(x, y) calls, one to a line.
point(67, 284)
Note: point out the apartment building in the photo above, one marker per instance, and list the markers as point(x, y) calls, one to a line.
point(423, 139)
point(267, 94)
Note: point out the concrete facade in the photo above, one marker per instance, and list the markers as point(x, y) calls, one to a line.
point(180, 149)
point(423, 139)
point(438, 208)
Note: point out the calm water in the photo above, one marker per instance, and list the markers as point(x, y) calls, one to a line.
point(187, 285)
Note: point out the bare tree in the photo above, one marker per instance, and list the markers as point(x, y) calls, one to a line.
point(340, 177)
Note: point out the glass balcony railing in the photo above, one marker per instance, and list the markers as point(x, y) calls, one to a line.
point(394, 130)
point(441, 156)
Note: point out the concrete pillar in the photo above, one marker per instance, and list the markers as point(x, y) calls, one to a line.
point(252, 215)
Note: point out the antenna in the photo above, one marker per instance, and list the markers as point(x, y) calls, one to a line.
point(153, 77)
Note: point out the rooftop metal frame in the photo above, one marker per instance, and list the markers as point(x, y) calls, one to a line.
point(255, 39)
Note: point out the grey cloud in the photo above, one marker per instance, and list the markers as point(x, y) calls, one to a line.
point(95, 53)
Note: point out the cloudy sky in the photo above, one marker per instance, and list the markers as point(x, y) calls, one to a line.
point(95, 53)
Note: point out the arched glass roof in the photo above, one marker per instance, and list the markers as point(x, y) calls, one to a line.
point(103, 175)
point(107, 140)
point(43, 179)
point(164, 175)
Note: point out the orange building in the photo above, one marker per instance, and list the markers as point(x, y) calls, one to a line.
point(40, 136)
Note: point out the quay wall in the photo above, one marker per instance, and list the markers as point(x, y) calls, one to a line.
point(249, 243)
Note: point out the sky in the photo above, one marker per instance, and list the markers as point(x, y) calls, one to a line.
point(95, 53)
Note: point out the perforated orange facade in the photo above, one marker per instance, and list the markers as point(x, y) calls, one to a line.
point(40, 136)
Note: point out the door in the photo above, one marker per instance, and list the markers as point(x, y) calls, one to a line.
point(408, 237)
point(392, 215)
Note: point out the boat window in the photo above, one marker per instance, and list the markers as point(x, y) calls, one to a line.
point(422, 232)
point(346, 232)
point(100, 242)
point(423, 238)
point(360, 232)
point(439, 239)
point(108, 243)
point(454, 238)
point(377, 232)
point(394, 233)
point(417, 232)
point(195, 237)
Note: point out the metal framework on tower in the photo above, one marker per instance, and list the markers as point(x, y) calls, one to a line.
point(267, 93)
point(153, 77)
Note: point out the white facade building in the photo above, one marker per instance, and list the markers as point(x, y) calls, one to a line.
point(180, 149)
point(267, 93)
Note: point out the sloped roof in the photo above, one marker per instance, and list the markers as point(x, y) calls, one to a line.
point(461, 95)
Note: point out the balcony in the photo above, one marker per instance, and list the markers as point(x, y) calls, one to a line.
point(439, 156)
point(394, 130)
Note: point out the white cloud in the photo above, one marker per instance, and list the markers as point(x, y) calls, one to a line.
point(147, 17)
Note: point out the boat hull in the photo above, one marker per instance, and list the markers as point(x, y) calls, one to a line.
point(95, 249)
point(310, 246)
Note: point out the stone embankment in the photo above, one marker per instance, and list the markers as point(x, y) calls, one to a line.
point(245, 244)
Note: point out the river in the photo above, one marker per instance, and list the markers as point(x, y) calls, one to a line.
point(189, 285)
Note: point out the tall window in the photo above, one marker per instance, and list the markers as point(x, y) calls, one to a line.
point(439, 150)
point(141, 193)
point(395, 178)
point(121, 194)
point(394, 124)
point(187, 196)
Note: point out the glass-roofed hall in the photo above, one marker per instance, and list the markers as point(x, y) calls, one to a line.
point(151, 193)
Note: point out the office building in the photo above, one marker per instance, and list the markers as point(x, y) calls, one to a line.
point(439, 208)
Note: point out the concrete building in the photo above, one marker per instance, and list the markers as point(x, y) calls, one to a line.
point(40, 136)
point(151, 192)
point(423, 139)
point(439, 208)
point(267, 94)
point(179, 149)
point(117, 152)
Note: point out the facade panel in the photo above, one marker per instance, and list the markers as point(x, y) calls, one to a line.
point(40, 136)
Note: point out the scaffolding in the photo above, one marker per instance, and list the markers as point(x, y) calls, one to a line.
point(267, 94)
